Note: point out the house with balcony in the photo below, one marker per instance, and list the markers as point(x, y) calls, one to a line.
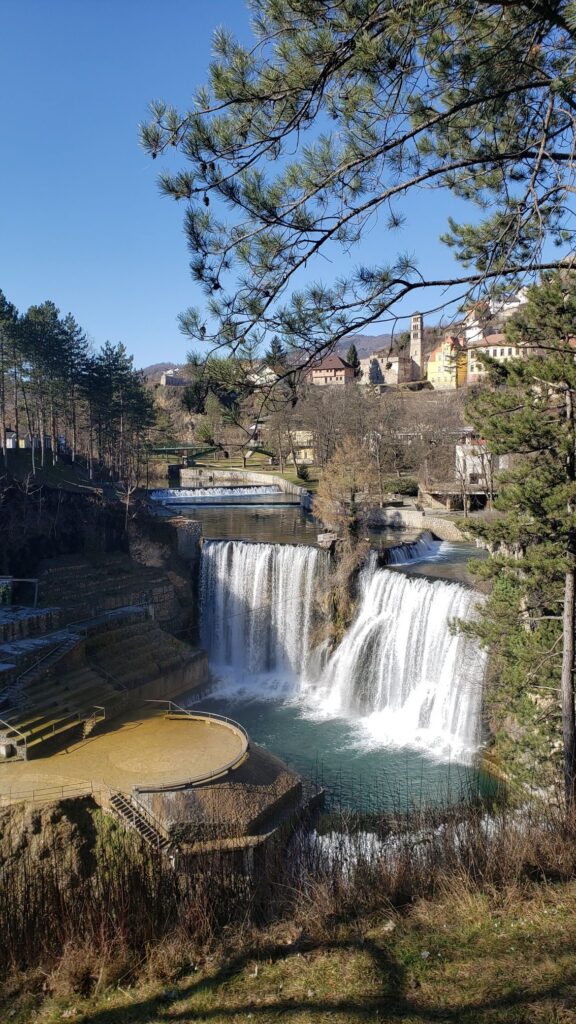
point(331, 371)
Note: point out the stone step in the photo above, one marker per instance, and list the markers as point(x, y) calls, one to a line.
point(45, 727)
point(51, 733)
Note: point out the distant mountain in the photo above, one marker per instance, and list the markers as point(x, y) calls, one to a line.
point(365, 343)
point(368, 343)
point(155, 371)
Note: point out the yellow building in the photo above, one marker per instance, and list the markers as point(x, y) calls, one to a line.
point(447, 365)
point(303, 443)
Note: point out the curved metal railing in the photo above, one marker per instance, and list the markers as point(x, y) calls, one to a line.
point(175, 710)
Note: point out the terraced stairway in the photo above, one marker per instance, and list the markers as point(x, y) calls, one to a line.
point(18, 622)
point(73, 704)
point(32, 659)
point(133, 814)
point(134, 654)
point(84, 590)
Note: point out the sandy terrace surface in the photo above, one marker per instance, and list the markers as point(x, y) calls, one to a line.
point(136, 750)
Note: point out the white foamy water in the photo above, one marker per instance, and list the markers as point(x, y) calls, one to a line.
point(257, 602)
point(402, 673)
point(400, 676)
point(426, 547)
point(187, 494)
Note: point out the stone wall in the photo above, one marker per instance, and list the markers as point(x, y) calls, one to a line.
point(179, 680)
point(161, 542)
point(411, 519)
point(173, 545)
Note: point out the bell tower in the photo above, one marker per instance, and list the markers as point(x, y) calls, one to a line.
point(416, 337)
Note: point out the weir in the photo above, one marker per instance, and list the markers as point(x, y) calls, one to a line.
point(425, 547)
point(190, 495)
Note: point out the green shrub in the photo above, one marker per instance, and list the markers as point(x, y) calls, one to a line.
point(407, 485)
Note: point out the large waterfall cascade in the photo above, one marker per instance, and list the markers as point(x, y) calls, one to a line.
point(400, 671)
point(403, 670)
point(257, 603)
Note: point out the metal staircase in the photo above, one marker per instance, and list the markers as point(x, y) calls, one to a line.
point(132, 814)
point(90, 723)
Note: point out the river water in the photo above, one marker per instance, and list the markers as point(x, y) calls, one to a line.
point(391, 719)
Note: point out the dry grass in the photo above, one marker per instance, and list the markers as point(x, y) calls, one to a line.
point(468, 957)
point(469, 919)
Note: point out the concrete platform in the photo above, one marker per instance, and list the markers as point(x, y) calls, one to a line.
point(141, 748)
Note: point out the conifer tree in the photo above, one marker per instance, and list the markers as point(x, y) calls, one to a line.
point(337, 113)
point(528, 414)
point(8, 329)
point(275, 356)
point(352, 358)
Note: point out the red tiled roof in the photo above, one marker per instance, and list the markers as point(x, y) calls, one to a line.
point(333, 362)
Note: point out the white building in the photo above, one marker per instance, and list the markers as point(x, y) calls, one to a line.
point(172, 379)
point(494, 345)
point(264, 377)
point(487, 316)
point(475, 465)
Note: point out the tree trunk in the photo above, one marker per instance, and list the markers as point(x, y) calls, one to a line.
point(567, 687)
point(293, 451)
point(15, 381)
point(568, 625)
point(74, 440)
point(3, 401)
point(53, 429)
point(42, 436)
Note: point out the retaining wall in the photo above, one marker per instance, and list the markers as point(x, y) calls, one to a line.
point(411, 519)
point(195, 673)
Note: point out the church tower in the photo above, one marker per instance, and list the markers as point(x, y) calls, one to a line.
point(416, 338)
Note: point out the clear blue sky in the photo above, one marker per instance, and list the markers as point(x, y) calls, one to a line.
point(81, 219)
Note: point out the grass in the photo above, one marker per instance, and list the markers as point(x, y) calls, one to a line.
point(62, 475)
point(260, 464)
point(466, 957)
point(309, 485)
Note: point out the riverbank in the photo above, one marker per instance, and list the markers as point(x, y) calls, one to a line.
point(487, 944)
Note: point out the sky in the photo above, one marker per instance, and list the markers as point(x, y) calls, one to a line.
point(81, 218)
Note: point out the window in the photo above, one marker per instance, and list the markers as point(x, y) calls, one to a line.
point(494, 353)
point(501, 351)
point(509, 351)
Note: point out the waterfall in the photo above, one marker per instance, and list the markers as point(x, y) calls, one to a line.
point(256, 605)
point(403, 672)
point(425, 547)
point(400, 674)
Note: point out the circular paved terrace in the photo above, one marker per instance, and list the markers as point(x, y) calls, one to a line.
point(144, 748)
